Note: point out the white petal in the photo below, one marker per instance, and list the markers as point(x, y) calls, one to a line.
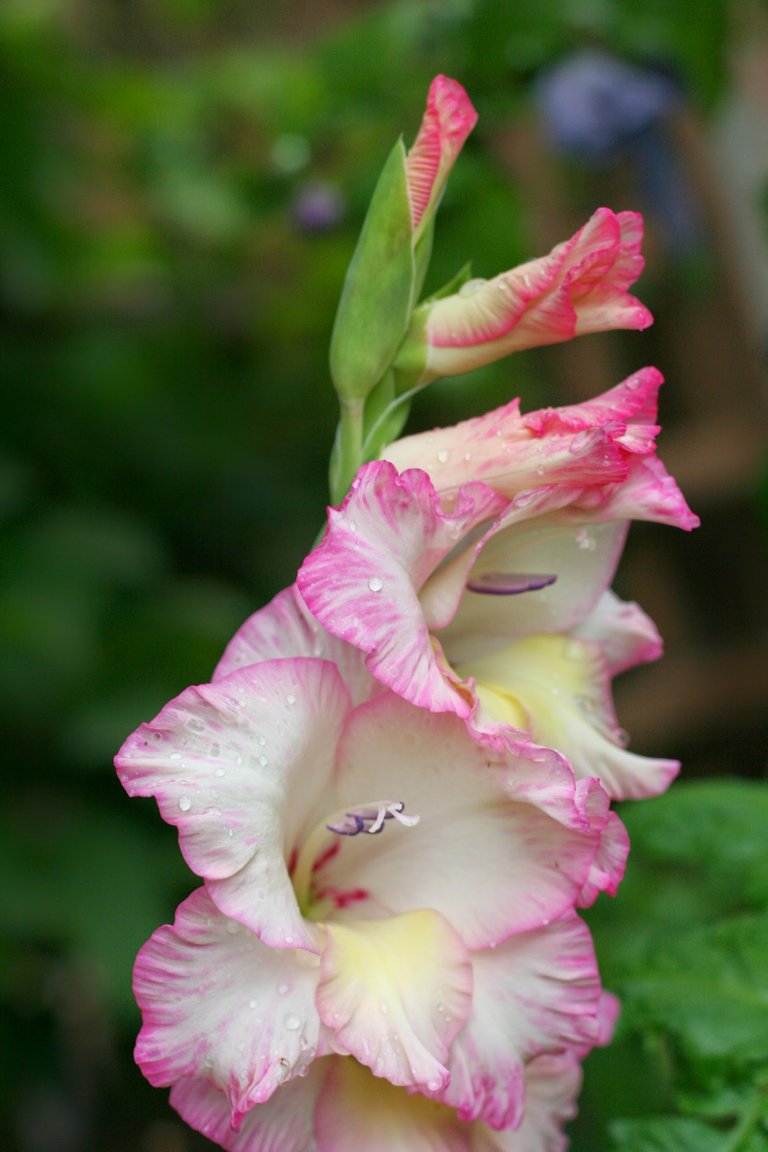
point(395, 993)
point(218, 1003)
point(282, 1124)
point(286, 627)
point(242, 767)
point(539, 992)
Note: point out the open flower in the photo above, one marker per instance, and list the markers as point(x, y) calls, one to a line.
point(481, 587)
point(378, 884)
point(580, 287)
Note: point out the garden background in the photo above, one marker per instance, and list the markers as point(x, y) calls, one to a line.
point(181, 185)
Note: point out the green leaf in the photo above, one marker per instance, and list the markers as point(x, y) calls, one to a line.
point(666, 1134)
point(708, 988)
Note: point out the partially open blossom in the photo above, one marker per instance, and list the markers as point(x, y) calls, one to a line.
point(481, 588)
point(378, 884)
point(580, 287)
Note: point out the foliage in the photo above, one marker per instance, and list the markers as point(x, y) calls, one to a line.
point(685, 948)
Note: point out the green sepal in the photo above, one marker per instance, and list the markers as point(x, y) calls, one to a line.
point(379, 289)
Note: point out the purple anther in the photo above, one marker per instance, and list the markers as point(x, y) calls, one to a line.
point(349, 827)
point(509, 583)
point(372, 819)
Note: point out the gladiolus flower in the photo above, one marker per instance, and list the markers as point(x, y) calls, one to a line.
point(427, 930)
point(580, 287)
point(481, 588)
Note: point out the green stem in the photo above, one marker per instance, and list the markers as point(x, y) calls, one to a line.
point(348, 449)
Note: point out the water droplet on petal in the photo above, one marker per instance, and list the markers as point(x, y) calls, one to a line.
point(221, 772)
point(375, 584)
point(442, 456)
point(185, 803)
point(292, 1023)
point(253, 1003)
point(291, 698)
point(282, 989)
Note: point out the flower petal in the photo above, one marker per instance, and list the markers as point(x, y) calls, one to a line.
point(580, 287)
point(607, 869)
point(504, 842)
point(241, 767)
point(285, 627)
point(562, 685)
point(218, 1003)
point(395, 992)
point(552, 1085)
point(625, 635)
point(584, 557)
point(539, 992)
point(282, 1124)
point(362, 582)
point(581, 445)
point(448, 119)
point(358, 1112)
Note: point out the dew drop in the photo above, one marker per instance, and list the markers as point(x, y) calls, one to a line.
point(253, 1003)
point(292, 1023)
point(263, 761)
point(375, 584)
point(221, 772)
point(433, 1085)
point(185, 803)
point(442, 456)
point(291, 698)
point(282, 989)
point(262, 741)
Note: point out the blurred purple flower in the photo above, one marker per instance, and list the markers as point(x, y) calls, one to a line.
point(593, 104)
point(317, 207)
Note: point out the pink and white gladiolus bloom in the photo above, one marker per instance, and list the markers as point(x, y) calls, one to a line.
point(580, 287)
point(378, 884)
point(476, 579)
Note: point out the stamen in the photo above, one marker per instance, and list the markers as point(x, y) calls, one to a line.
point(509, 583)
point(372, 819)
point(315, 851)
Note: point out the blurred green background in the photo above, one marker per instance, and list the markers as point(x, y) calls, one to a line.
point(181, 185)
